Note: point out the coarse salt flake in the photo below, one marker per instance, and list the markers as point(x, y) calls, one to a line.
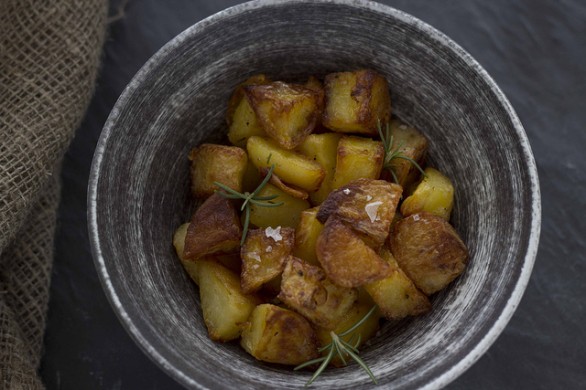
point(368, 198)
point(346, 191)
point(416, 217)
point(254, 255)
point(269, 249)
point(275, 233)
point(372, 210)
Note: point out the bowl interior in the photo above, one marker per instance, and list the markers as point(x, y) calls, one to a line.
point(139, 191)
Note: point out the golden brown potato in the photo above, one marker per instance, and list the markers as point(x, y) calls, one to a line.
point(238, 94)
point(396, 296)
point(428, 250)
point(291, 167)
point(210, 163)
point(286, 215)
point(286, 112)
point(277, 335)
point(410, 143)
point(241, 119)
point(263, 256)
point(225, 307)
point(305, 289)
point(356, 101)
point(357, 158)
point(435, 194)
point(347, 260)
point(306, 235)
point(214, 228)
point(363, 333)
point(322, 148)
point(365, 204)
point(179, 244)
point(295, 192)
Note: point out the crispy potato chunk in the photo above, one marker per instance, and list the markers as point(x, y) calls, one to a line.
point(365, 204)
point(286, 215)
point(241, 119)
point(306, 235)
point(410, 143)
point(429, 250)
point(286, 112)
point(263, 256)
point(214, 228)
point(277, 335)
point(225, 307)
point(357, 158)
point(347, 260)
point(291, 167)
point(396, 296)
point(179, 244)
point(210, 163)
point(435, 194)
point(363, 333)
point(305, 289)
point(356, 101)
point(322, 148)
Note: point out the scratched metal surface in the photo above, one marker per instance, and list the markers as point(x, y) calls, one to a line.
point(536, 53)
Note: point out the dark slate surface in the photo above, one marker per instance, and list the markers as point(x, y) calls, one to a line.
point(536, 52)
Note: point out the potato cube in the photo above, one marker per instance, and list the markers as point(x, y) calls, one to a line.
point(238, 94)
point(295, 192)
point(322, 148)
point(214, 228)
point(428, 250)
point(286, 112)
point(396, 296)
point(291, 167)
point(410, 143)
point(347, 260)
point(362, 334)
point(306, 235)
point(241, 119)
point(435, 194)
point(357, 158)
point(306, 290)
point(179, 244)
point(365, 204)
point(263, 256)
point(277, 335)
point(225, 307)
point(286, 215)
point(216, 163)
point(356, 101)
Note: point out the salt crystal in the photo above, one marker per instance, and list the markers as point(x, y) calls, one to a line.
point(372, 209)
point(368, 198)
point(275, 234)
point(416, 217)
point(269, 249)
point(346, 191)
point(254, 256)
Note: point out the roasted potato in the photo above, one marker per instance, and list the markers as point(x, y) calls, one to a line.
point(362, 334)
point(291, 167)
point(435, 194)
point(322, 148)
point(276, 335)
point(305, 289)
point(263, 256)
point(396, 295)
point(241, 119)
point(214, 228)
point(216, 163)
point(356, 102)
point(238, 94)
point(347, 260)
point(428, 250)
point(409, 142)
point(365, 204)
point(225, 307)
point(179, 244)
point(287, 215)
point(295, 192)
point(357, 158)
point(251, 178)
point(306, 235)
point(286, 112)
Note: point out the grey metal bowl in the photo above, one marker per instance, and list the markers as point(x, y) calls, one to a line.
point(139, 185)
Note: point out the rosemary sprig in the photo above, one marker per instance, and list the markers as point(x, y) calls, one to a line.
point(250, 198)
point(340, 347)
point(391, 154)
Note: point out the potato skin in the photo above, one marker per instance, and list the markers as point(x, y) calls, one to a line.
point(351, 202)
point(356, 101)
point(216, 163)
point(277, 335)
point(214, 228)
point(428, 250)
point(347, 260)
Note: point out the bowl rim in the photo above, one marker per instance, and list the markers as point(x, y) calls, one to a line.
point(528, 159)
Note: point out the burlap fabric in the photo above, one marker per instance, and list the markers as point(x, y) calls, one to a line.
point(49, 54)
